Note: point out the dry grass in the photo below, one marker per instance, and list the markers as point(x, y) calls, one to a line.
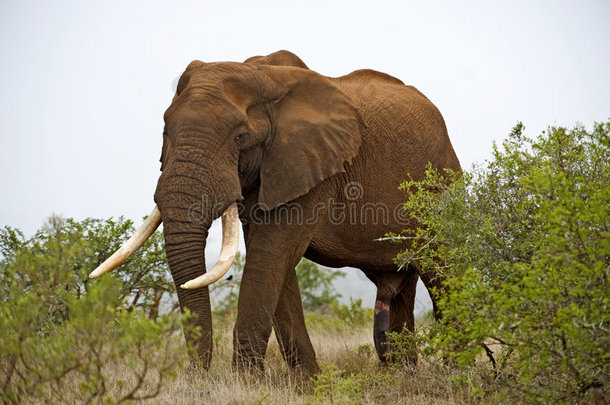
point(351, 374)
point(222, 386)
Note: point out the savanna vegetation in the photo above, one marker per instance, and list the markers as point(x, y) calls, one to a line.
point(522, 242)
point(523, 245)
point(66, 339)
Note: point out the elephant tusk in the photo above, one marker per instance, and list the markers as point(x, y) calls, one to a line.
point(131, 245)
point(230, 237)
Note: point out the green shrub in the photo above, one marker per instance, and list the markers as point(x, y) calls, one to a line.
point(353, 314)
point(342, 318)
point(523, 244)
point(334, 386)
point(66, 339)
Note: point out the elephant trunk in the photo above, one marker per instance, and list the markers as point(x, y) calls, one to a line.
point(185, 240)
point(188, 208)
point(185, 246)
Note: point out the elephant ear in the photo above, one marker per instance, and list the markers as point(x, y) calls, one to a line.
point(317, 130)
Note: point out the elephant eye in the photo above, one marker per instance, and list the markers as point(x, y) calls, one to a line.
point(240, 137)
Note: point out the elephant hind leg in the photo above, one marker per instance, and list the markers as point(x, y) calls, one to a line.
point(289, 325)
point(394, 306)
point(381, 326)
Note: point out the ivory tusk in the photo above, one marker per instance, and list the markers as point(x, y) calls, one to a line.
point(131, 245)
point(230, 237)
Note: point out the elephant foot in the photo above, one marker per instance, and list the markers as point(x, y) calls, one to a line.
point(304, 371)
point(300, 361)
point(245, 364)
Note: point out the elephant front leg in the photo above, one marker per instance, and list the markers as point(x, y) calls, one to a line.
point(257, 301)
point(270, 258)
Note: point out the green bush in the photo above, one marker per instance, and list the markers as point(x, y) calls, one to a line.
point(523, 245)
point(335, 386)
point(66, 339)
point(353, 314)
point(342, 317)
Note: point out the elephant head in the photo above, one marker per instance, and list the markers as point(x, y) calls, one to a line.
point(259, 128)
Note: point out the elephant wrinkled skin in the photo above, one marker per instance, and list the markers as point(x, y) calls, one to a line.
point(314, 163)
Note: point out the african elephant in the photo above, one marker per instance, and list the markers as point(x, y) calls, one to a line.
point(314, 164)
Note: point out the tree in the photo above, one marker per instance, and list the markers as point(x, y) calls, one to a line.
point(316, 285)
point(523, 244)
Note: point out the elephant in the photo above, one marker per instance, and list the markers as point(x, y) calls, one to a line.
point(310, 165)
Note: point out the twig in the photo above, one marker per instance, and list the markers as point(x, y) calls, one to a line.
point(490, 354)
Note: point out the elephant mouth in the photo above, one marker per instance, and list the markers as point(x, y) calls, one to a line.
point(230, 238)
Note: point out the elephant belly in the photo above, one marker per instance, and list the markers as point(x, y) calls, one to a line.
point(337, 245)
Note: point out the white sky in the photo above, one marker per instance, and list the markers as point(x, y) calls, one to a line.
point(85, 84)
